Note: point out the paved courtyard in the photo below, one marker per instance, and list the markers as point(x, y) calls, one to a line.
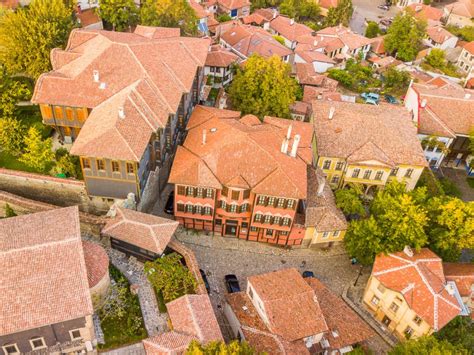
point(458, 176)
point(219, 256)
point(367, 10)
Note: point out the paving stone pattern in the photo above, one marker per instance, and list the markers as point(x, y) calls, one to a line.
point(135, 349)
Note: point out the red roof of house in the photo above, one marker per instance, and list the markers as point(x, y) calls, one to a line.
point(469, 47)
point(426, 12)
point(291, 31)
point(167, 343)
point(290, 304)
point(259, 17)
point(462, 274)
point(438, 34)
point(44, 278)
point(242, 152)
point(233, 4)
point(464, 8)
point(141, 229)
point(97, 262)
point(421, 281)
point(220, 57)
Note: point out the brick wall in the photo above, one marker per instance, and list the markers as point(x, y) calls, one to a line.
point(48, 189)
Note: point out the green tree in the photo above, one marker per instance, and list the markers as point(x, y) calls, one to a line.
point(396, 81)
point(459, 332)
point(9, 212)
point(169, 13)
point(404, 36)
point(121, 14)
point(300, 9)
point(436, 58)
point(465, 33)
point(11, 91)
point(341, 14)
point(220, 348)
point(260, 4)
point(372, 30)
point(12, 133)
point(427, 345)
point(224, 17)
point(364, 240)
point(264, 87)
point(28, 35)
point(451, 227)
point(349, 201)
point(280, 39)
point(170, 277)
point(38, 153)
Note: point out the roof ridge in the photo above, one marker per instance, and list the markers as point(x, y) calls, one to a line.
point(145, 118)
point(274, 336)
point(438, 119)
point(39, 246)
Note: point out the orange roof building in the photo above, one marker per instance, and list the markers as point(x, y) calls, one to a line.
point(244, 177)
point(142, 235)
point(463, 275)
point(45, 302)
point(117, 96)
point(408, 292)
point(192, 318)
point(289, 29)
point(282, 313)
point(234, 8)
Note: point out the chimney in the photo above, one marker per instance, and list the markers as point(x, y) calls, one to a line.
point(95, 75)
point(467, 96)
point(292, 22)
point(284, 145)
point(423, 103)
point(204, 133)
point(121, 113)
point(275, 13)
point(315, 43)
point(332, 110)
point(321, 184)
point(294, 149)
point(439, 29)
point(407, 250)
point(288, 133)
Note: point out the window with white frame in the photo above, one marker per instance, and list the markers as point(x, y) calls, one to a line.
point(355, 173)
point(75, 334)
point(335, 234)
point(189, 208)
point(367, 174)
point(267, 218)
point(258, 217)
point(409, 173)
point(37, 343)
point(417, 320)
point(207, 211)
point(327, 164)
point(233, 208)
point(335, 179)
point(379, 175)
point(325, 234)
point(10, 349)
point(198, 209)
point(375, 300)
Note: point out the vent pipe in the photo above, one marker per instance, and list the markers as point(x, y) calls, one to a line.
point(321, 184)
point(204, 135)
point(423, 103)
point(288, 133)
point(296, 142)
point(332, 111)
point(121, 113)
point(95, 75)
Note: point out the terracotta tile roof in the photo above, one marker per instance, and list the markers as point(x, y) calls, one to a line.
point(314, 56)
point(350, 39)
point(340, 318)
point(291, 32)
point(143, 230)
point(46, 282)
point(426, 12)
point(321, 210)
point(259, 17)
point(462, 274)
point(469, 47)
point(360, 132)
point(88, 17)
point(300, 107)
point(377, 45)
point(464, 8)
point(311, 93)
point(256, 332)
point(385, 62)
point(193, 315)
point(306, 75)
point(438, 34)
point(421, 281)
point(247, 40)
point(441, 102)
point(145, 72)
point(220, 57)
point(233, 4)
point(97, 262)
point(290, 304)
point(167, 343)
point(12, 4)
point(198, 9)
point(242, 150)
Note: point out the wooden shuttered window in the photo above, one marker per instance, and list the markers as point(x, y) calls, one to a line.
point(130, 168)
point(58, 112)
point(224, 191)
point(46, 111)
point(100, 164)
point(181, 190)
point(115, 166)
point(246, 194)
point(235, 194)
point(70, 113)
point(180, 207)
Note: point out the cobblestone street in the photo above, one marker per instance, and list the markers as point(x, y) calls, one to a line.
point(219, 256)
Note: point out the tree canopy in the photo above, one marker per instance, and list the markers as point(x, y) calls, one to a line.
point(264, 87)
point(170, 277)
point(349, 201)
point(220, 348)
point(28, 35)
point(459, 332)
point(38, 153)
point(404, 36)
point(341, 14)
point(427, 345)
point(372, 29)
point(169, 13)
point(121, 14)
point(300, 10)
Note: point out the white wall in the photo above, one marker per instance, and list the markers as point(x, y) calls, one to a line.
point(322, 67)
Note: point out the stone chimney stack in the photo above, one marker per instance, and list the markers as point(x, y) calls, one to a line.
point(296, 142)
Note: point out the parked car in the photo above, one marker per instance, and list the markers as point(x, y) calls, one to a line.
point(384, 7)
point(169, 206)
point(231, 283)
point(205, 280)
point(308, 273)
point(390, 99)
point(370, 98)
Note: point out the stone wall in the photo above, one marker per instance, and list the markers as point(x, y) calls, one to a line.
point(52, 190)
point(90, 224)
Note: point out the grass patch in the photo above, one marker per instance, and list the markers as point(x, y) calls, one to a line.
point(125, 327)
point(470, 182)
point(11, 162)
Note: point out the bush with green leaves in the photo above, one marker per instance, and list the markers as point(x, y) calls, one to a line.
point(427, 345)
point(219, 347)
point(9, 212)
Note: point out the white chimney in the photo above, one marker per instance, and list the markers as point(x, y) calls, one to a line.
point(292, 22)
point(423, 103)
point(284, 145)
point(332, 110)
point(467, 96)
point(315, 43)
point(407, 250)
point(321, 184)
point(121, 113)
point(204, 133)
point(95, 75)
point(288, 133)
point(275, 13)
point(294, 149)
